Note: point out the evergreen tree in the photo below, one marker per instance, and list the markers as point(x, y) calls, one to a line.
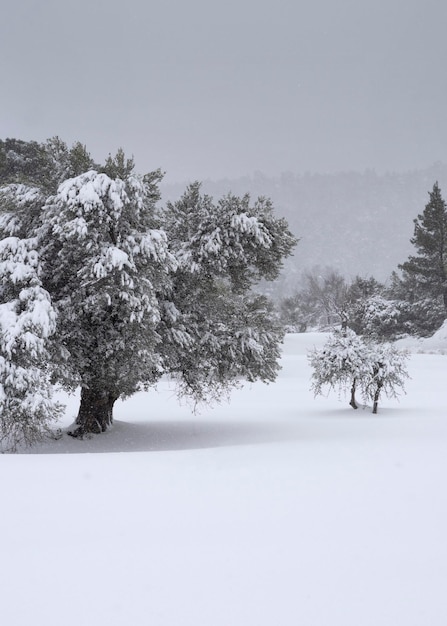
point(138, 292)
point(42, 165)
point(222, 250)
point(27, 322)
point(428, 268)
point(25, 162)
point(418, 313)
point(107, 267)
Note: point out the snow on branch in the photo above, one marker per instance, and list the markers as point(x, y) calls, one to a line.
point(349, 362)
point(27, 320)
point(251, 225)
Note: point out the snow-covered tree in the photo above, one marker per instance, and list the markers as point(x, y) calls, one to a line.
point(386, 372)
point(421, 284)
point(419, 313)
point(43, 165)
point(340, 364)
point(27, 322)
point(139, 292)
point(321, 301)
point(378, 318)
point(217, 331)
point(429, 266)
point(23, 162)
point(107, 267)
point(348, 362)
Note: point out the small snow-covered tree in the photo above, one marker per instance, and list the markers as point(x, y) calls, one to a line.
point(349, 362)
point(386, 372)
point(340, 364)
point(27, 321)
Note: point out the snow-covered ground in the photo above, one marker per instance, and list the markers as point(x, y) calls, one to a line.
point(274, 509)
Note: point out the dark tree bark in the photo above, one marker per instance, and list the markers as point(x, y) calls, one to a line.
point(353, 401)
point(379, 383)
point(376, 397)
point(95, 412)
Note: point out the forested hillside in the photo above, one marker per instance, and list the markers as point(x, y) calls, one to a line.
point(356, 223)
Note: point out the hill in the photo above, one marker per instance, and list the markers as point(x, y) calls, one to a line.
point(276, 508)
point(356, 223)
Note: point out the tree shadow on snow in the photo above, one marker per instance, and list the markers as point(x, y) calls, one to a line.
point(163, 436)
point(176, 435)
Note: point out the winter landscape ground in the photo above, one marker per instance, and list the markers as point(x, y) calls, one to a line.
point(274, 509)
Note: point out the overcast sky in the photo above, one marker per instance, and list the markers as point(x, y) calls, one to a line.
point(207, 89)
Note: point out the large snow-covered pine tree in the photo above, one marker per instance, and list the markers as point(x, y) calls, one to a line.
point(139, 292)
point(108, 269)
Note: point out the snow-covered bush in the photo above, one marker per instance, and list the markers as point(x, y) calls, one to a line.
point(349, 362)
point(340, 364)
point(386, 372)
point(27, 321)
point(377, 317)
point(384, 318)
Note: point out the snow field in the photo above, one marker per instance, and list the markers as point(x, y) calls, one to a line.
point(275, 508)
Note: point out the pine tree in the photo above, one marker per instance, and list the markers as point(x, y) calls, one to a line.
point(138, 292)
point(107, 267)
point(42, 165)
point(229, 332)
point(429, 267)
point(25, 162)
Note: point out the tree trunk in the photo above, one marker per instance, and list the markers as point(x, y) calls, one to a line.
point(95, 412)
point(353, 402)
point(376, 398)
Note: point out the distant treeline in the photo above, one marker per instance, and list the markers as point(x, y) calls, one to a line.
point(359, 224)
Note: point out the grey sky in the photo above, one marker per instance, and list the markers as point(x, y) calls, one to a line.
point(214, 89)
